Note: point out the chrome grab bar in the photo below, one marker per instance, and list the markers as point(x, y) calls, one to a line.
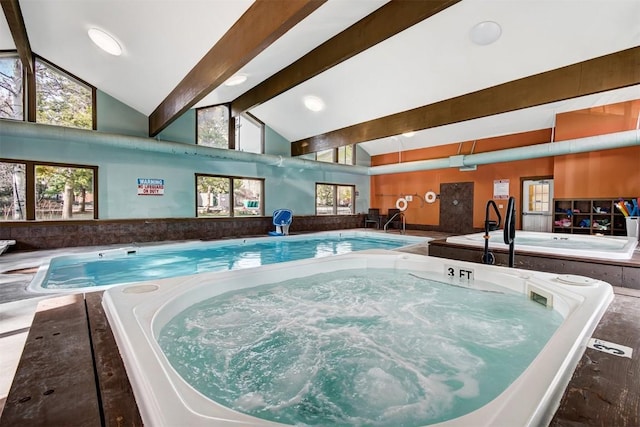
point(401, 215)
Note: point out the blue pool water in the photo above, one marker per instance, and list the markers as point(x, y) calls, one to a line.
point(363, 348)
point(129, 265)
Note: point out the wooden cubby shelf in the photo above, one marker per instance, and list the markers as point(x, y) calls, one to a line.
point(588, 216)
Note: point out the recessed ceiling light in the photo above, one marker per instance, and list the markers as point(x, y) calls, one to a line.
point(105, 41)
point(313, 103)
point(408, 134)
point(485, 33)
point(236, 80)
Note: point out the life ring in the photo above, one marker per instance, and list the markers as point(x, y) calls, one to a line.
point(401, 204)
point(430, 197)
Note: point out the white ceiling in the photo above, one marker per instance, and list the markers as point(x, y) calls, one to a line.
point(429, 62)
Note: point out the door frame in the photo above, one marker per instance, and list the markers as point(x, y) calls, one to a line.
point(522, 200)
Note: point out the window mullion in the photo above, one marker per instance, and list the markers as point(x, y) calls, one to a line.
point(30, 177)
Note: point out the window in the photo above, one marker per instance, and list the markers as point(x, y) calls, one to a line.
point(64, 192)
point(249, 134)
point(213, 126)
point(13, 191)
point(11, 88)
point(215, 198)
point(61, 99)
point(539, 200)
point(33, 191)
point(342, 155)
point(333, 199)
point(325, 156)
point(213, 130)
point(345, 155)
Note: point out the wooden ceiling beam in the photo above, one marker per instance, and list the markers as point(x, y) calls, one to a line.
point(12, 12)
point(609, 72)
point(262, 24)
point(385, 22)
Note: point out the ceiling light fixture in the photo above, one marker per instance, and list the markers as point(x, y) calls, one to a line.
point(105, 41)
point(313, 103)
point(236, 80)
point(485, 33)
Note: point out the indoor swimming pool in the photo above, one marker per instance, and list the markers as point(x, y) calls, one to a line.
point(573, 245)
point(373, 338)
point(101, 269)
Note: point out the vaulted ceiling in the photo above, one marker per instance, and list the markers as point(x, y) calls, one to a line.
point(381, 67)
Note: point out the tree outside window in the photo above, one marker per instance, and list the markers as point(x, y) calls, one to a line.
point(213, 126)
point(13, 192)
point(216, 200)
point(64, 193)
point(61, 100)
point(61, 192)
point(11, 88)
point(333, 199)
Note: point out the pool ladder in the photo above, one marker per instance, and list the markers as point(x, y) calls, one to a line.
point(509, 234)
point(490, 225)
point(510, 229)
point(402, 219)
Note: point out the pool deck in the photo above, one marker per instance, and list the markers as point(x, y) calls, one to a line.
point(68, 370)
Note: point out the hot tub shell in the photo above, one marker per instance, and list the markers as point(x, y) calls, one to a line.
point(621, 248)
point(137, 313)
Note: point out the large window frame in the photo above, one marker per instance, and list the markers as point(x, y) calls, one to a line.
point(29, 89)
point(218, 205)
point(232, 127)
point(31, 192)
point(345, 155)
point(33, 91)
point(331, 199)
point(5, 83)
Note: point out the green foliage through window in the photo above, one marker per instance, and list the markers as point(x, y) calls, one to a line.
point(61, 100)
point(61, 192)
point(213, 126)
point(64, 193)
point(333, 199)
point(215, 198)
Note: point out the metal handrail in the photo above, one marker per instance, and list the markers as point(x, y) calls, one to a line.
point(401, 215)
point(510, 229)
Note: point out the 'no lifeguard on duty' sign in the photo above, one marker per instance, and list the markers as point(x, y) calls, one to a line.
point(150, 187)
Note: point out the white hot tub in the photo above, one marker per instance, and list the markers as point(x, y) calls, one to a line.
point(573, 245)
point(138, 312)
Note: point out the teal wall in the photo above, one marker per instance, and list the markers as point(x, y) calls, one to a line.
point(132, 156)
point(183, 129)
point(116, 117)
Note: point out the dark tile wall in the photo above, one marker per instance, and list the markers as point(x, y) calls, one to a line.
point(60, 234)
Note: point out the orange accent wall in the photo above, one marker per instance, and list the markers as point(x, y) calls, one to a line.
point(385, 189)
point(606, 174)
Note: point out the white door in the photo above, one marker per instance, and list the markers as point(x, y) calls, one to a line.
point(537, 205)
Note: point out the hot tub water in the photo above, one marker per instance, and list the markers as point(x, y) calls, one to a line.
point(379, 347)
